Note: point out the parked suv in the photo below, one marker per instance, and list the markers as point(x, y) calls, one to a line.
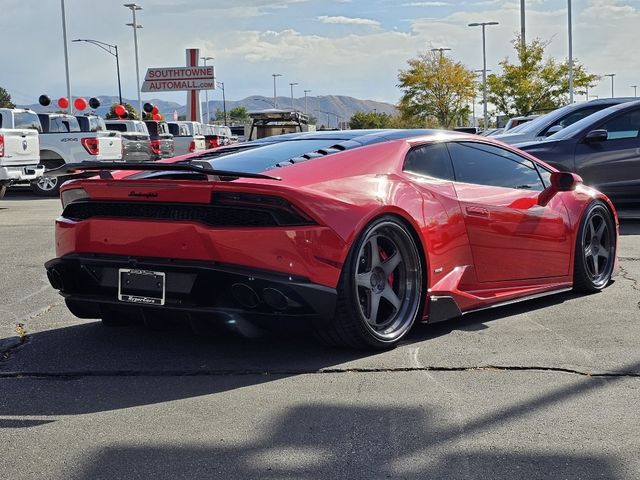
point(136, 144)
point(188, 137)
point(555, 121)
point(162, 145)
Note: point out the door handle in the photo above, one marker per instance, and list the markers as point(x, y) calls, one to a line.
point(478, 212)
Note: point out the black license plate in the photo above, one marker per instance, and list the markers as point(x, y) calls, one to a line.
point(143, 287)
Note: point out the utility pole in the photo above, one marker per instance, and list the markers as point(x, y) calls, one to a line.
point(133, 7)
point(484, 68)
point(611, 75)
point(275, 100)
point(570, 53)
point(66, 56)
point(441, 50)
point(305, 101)
point(293, 107)
point(206, 92)
point(635, 90)
point(523, 42)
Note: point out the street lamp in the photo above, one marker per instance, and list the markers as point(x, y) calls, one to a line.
point(474, 97)
point(484, 68)
point(635, 90)
point(275, 100)
point(293, 107)
point(134, 7)
point(305, 100)
point(111, 50)
point(441, 50)
point(611, 75)
point(206, 92)
point(224, 101)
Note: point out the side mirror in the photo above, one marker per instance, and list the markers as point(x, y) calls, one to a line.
point(560, 182)
point(596, 136)
point(552, 130)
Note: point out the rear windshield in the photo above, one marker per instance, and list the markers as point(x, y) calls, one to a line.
point(118, 127)
point(27, 120)
point(266, 157)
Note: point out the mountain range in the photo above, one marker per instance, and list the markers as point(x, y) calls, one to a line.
point(328, 109)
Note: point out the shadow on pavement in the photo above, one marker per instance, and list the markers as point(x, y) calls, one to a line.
point(327, 441)
point(630, 227)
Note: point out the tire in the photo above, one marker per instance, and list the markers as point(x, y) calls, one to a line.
point(381, 289)
point(47, 186)
point(3, 191)
point(595, 251)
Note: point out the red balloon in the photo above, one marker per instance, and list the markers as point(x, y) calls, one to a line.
point(155, 110)
point(63, 102)
point(80, 104)
point(120, 110)
point(157, 116)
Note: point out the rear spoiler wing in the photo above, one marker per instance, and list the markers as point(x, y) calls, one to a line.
point(105, 168)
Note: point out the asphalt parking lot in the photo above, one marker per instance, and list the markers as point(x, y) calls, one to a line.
point(549, 388)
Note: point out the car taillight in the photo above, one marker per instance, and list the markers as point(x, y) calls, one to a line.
point(213, 143)
point(192, 146)
point(155, 147)
point(1, 145)
point(91, 145)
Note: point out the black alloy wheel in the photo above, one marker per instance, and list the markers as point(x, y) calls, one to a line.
point(595, 249)
point(381, 289)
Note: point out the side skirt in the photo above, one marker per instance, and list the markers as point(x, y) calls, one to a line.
point(442, 308)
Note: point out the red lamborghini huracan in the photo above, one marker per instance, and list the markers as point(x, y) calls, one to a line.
point(357, 234)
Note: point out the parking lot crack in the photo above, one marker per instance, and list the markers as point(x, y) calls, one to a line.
point(323, 371)
point(627, 276)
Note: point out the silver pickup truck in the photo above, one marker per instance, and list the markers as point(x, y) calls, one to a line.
point(162, 144)
point(136, 144)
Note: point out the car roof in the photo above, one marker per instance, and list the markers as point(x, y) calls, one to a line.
point(577, 127)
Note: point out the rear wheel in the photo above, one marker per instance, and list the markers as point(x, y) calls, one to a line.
point(47, 186)
point(3, 190)
point(595, 249)
point(380, 290)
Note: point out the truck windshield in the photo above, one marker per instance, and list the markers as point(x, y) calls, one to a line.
point(27, 120)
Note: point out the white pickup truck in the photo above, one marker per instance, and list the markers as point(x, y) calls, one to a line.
point(63, 141)
point(188, 137)
point(19, 147)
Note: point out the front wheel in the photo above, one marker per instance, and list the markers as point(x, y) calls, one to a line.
point(595, 249)
point(381, 288)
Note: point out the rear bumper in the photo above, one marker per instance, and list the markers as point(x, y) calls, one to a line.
point(20, 173)
point(192, 287)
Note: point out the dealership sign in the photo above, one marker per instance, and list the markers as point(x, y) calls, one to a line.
point(171, 79)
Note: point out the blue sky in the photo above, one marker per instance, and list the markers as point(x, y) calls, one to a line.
point(336, 47)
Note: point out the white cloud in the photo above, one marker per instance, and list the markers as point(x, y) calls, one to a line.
point(340, 20)
point(427, 4)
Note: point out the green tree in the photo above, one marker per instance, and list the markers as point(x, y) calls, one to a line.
point(132, 114)
point(5, 99)
point(435, 87)
point(534, 83)
point(361, 120)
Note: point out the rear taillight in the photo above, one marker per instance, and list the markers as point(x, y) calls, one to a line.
point(91, 145)
point(192, 146)
point(1, 145)
point(213, 143)
point(155, 147)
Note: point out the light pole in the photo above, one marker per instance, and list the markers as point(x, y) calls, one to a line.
point(111, 50)
point(133, 7)
point(570, 52)
point(523, 42)
point(66, 56)
point(635, 90)
point(475, 123)
point(305, 100)
point(292, 104)
point(484, 68)
point(611, 75)
point(275, 100)
point(224, 102)
point(206, 92)
point(441, 50)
